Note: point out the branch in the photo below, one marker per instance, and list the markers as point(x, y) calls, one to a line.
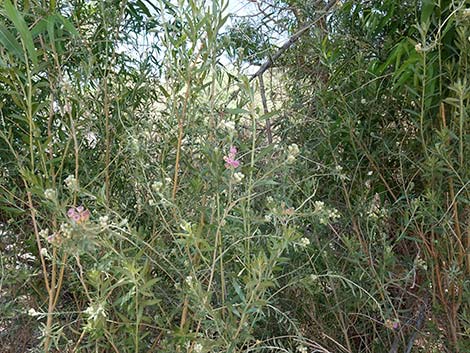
point(268, 63)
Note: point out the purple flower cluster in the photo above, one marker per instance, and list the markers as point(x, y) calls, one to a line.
point(230, 161)
point(78, 214)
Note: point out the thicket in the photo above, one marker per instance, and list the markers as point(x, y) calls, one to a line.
point(155, 199)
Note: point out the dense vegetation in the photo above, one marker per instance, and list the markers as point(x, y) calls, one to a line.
point(154, 198)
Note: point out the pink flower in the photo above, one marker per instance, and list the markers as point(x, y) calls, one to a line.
point(85, 216)
point(78, 214)
point(71, 212)
point(230, 161)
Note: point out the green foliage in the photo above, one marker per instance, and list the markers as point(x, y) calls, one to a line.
point(149, 201)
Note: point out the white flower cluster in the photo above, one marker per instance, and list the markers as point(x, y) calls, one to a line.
point(292, 153)
point(66, 230)
point(375, 210)
point(339, 171)
point(44, 233)
point(189, 280)
point(33, 312)
point(326, 214)
point(304, 242)
point(104, 221)
point(71, 183)
point(50, 194)
point(157, 186)
point(198, 348)
point(238, 177)
point(95, 311)
point(302, 349)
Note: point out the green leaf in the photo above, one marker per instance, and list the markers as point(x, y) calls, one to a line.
point(239, 291)
point(51, 30)
point(269, 115)
point(164, 91)
point(18, 21)
point(67, 25)
point(426, 11)
point(39, 27)
point(236, 111)
point(9, 42)
point(12, 210)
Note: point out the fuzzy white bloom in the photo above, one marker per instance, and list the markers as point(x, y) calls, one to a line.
point(186, 226)
point(157, 186)
point(91, 139)
point(290, 159)
point(44, 233)
point(44, 252)
point(238, 177)
point(375, 210)
point(338, 168)
point(333, 214)
point(103, 220)
point(151, 202)
point(50, 194)
point(304, 242)
point(189, 280)
point(33, 312)
point(198, 348)
point(363, 101)
point(269, 199)
point(302, 349)
point(66, 230)
point(293, 150)
point(95, 311)
point(71, 183)
point(267, 218)
point(319, 205)
point(418, 47)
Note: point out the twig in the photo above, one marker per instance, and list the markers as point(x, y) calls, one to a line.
point(418, 326)
point(265, 109)
point(268, 63)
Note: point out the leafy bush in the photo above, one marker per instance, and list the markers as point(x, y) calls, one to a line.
point(153, 199)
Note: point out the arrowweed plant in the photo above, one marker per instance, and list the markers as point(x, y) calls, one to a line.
point(154, 199)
